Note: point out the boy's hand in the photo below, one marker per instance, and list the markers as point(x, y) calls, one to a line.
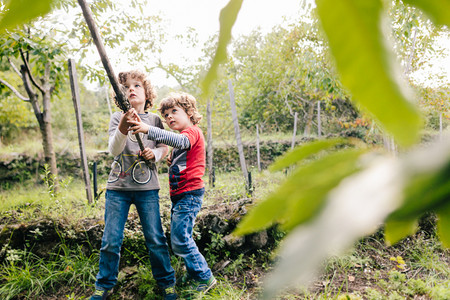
point(147, 154)
point(132, 115)
point(138, 126)
point(169, 159)
point(124, 123)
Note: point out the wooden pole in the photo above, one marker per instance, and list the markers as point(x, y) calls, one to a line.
point(258, 155)
point(237, 133)
point(109, 102)
point(319, 124)
point(294, 134)
point(76, 104)
point(210, 144)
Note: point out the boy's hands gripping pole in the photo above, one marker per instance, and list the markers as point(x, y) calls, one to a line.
point(123, 102)
point(137, 126)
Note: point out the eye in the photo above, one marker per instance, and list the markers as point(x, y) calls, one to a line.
point(137, 85)
point(126, 86)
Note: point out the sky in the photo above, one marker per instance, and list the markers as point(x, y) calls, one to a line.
point(203, 16)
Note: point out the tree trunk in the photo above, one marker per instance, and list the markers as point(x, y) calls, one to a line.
point(45, 124)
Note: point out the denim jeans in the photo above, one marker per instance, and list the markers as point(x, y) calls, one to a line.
point(184, 211)
point(117, 206)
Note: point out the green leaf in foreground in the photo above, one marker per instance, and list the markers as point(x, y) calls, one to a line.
point(398, 230)
point(227, 19)
point(304, 192)
point(425, 191)
point(21, 11)
point(353, 29)
point(437, 10)
point(304, 151)
point(443, 225)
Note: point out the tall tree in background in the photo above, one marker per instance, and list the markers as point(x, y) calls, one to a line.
point(42, 71)
point(283, 72)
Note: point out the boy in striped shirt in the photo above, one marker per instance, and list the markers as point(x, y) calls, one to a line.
point(187, 166)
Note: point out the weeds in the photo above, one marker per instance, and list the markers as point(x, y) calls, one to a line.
point(26, 275)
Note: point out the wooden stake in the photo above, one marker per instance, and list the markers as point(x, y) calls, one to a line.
point(76, 105)
point(294, 134)
point(210, 144)
point(258, 155)
point(237, 133)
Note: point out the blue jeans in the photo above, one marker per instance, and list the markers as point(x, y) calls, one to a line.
point(184, 211)
point(117, 206)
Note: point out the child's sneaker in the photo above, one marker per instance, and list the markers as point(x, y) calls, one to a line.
point(204, 286)
point(99, 295)
point(169, 293)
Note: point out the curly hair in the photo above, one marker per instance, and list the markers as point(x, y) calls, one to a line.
point(150, 93)
point(183, 100)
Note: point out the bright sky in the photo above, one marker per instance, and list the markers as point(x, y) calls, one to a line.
point(203, 16)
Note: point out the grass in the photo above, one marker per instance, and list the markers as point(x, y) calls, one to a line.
point(30, 142)
point(27, 201)
point(416, 267)
point(24, 275)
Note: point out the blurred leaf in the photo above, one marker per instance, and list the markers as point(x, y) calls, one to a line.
point(426, 191)
point(303, 151)
point(21, 11)
point(227, 18)
point(356, 207)
point(353, 29)
point(437, 10)
point(301, 196)
point(443, 225)
point(398, 230)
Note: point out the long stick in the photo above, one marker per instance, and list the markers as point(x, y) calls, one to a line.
point(120, 96)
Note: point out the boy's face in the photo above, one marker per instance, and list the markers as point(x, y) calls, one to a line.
point(177, 118)
point(135, 93)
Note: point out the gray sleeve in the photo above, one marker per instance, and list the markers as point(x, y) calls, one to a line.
point(172, 139)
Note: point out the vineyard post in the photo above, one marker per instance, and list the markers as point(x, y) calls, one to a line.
point(257, 148)
point(108, 101)
point(76, 104)
point(210, 144)
point(237, 133)
point(294, 134)
point(319, 124)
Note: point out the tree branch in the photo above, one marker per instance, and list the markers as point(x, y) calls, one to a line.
point(16, 92)
point(27, 66)
point(14, 67)
point(31, 94)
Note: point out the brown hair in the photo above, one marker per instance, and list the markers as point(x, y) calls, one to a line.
point(150, 93)
point(183, 100)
